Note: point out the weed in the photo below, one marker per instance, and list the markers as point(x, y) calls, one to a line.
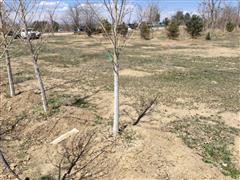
point(67, 100)
point(128, 135)
point(99, 119)
point(212, 138)
point(46, 178)
point(81, 103)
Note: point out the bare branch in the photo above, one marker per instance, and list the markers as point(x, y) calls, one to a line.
point(143, 112)
point(7, 166)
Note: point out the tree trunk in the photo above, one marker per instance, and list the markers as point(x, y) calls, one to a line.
point(9, 73)
point(7, 57)
point(115, 69)
point(40, 84)
point(238, 16)
point(116, 95)
point(34, 58)
point(52, 27)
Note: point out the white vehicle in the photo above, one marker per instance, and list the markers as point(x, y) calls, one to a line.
point(30, 33)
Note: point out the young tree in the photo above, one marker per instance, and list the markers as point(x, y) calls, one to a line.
point(152, 13)
point(54, 26)
point(187, 18)
point(74, 16)
point(238, 15)
point(107, 26)
point(149, 14)
point(173, 29)
point(139, 13)
point(41, 26)
point(166, 22)
point(34, 48)
point(116, 10)
point(229, 13)
point(145, 31)
point(214, 7)
point(194, 26)
point(123, 29)
point(5, 28)
point(230, 26)
point(209, 10)
point(83, 17)
point(65, 24)
point(179, 17)
point(88, 19)
point(208, 36)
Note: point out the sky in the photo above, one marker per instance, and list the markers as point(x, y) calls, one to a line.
point(167, 7)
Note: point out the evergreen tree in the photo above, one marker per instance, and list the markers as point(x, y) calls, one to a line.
point(230, 26)
point(122, 29)
point(173, 29)
point(208, 36)
point(106, 25)
point(145, 31)
point(195, 26)
point(166, 22)
point(179, 17)
point(187, 18)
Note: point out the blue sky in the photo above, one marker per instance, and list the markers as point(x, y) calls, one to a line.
point(168, 7)
point(165, 5)
point(185, 5)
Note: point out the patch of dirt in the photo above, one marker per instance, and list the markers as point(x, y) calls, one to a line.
point(59, 34)
point(231, 118)
point(143, 56)
point(104, 103)
point(210, 52)
point(180, 68)
point(211, 138)
point(236, 152)
point(186, 47)
point(146, 151)
point(148, 47)
point(134, 73)
point(162, 157)
point(165, 156)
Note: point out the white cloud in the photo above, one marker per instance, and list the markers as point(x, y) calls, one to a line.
point(46, 3)
point(56, 6)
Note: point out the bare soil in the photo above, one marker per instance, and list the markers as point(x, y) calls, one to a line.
point(80, 95)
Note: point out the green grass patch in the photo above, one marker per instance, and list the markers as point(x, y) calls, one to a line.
point(81, 103)
point(46, 178)
point(68, 56)
point(99, 119)
point(67, 100)
point(128, 136)
point(212, 138)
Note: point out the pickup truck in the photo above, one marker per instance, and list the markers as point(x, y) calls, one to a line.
point(30, 33)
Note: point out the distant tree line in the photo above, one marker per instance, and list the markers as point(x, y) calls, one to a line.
point(224, 17)
point(45, 26)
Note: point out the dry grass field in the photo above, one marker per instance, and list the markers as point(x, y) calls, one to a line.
point(193, 131)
